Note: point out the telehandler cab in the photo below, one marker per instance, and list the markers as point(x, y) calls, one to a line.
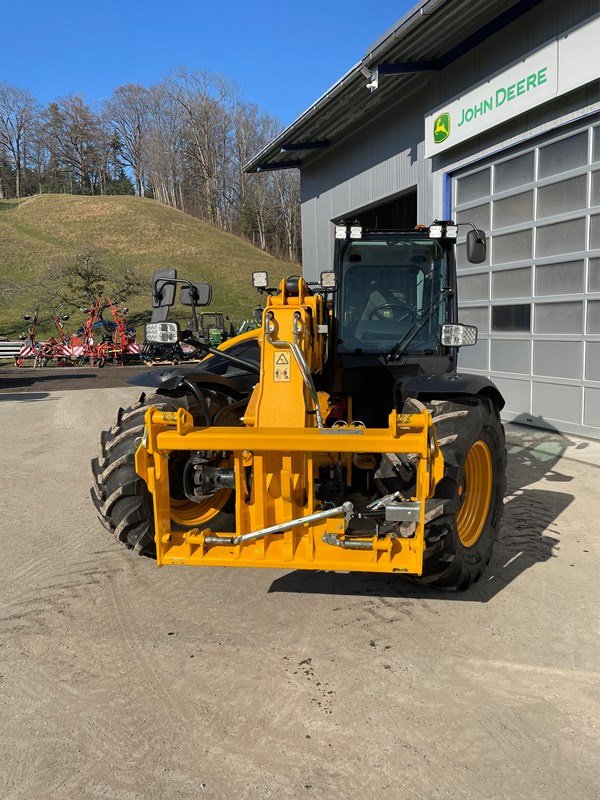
point(338, 436)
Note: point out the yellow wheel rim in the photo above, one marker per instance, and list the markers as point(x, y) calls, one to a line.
point(187, 513)
point(184, 512)
point(476, 493)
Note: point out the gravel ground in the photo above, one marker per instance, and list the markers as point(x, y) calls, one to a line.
point(121, 680)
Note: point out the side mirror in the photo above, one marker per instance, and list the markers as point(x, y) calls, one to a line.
point(163, 290)
point(476, 247)
point(199, 294)
point(163, 293)
point(458, 335)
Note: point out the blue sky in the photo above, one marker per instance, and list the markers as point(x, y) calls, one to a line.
point(282, 55)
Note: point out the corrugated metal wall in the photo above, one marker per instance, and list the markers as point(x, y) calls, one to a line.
point(385, 156)
point(382, 159)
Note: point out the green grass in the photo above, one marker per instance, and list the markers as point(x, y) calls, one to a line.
point(125, 231)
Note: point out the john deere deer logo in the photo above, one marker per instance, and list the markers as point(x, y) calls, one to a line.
point(441, 128)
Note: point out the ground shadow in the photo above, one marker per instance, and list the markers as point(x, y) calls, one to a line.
point(23, 397)
point(23, 381)
point(528, 535)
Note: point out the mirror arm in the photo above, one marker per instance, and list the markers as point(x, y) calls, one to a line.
point(475, 228)
point(206, 348)
point(158, 293)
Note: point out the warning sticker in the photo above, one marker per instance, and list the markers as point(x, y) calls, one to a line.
point(281, 368)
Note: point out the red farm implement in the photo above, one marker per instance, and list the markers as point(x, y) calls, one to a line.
point(97, 342)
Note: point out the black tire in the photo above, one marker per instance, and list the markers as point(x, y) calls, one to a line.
point(459, 423)
point(120, 495)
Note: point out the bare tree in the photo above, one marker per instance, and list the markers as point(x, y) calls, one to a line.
point(129, 111)
point(76, 137)
point(206, 104)
point(164, 148)
point(287, 191)
point(17, 110)
point(78, 279)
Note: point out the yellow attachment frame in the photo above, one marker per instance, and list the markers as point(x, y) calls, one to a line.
point(276, 459)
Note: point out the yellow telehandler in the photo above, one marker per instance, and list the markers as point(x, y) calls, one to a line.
point(337, 436)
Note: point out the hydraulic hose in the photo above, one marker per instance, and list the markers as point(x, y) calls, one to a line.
point(199, 397)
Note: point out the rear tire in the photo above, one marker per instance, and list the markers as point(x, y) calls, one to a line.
point(120, 495)
point(461, 528)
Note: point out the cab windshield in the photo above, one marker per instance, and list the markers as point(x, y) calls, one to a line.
point(386, 288)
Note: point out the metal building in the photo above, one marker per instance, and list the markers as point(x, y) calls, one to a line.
point(487, 112)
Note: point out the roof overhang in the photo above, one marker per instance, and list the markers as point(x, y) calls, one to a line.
point(430, 36)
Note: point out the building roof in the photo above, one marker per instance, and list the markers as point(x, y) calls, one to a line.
point(427, 38)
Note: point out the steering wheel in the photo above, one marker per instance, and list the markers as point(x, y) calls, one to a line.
point(409, 312)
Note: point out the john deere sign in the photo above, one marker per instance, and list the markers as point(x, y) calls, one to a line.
point(560, 66)
point(503, 94)
point(441, 128)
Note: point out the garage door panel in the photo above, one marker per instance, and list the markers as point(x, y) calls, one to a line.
point(558, 359)
point(591, 415)
point(595, 232)
point(593, 275)
point(476, 357)
point(565, 277)
point(561, 238)
point(512, 247)
point(596, 188)
point(475, 315)
point(511, 283)
point(563, 155)
point(558, 198)
point(473, 187)
point(564, 317)
point(511, 355)
point(516, 393)
point(514, 172)
point(554, 401)
point(592, 361)
point(474, 287)
point(478, 215)
point(513, 210)
point(593, 317)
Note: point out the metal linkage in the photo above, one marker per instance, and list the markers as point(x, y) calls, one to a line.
point(346, 544)
point(395, 508)
point(300, 360)
point(346, 508)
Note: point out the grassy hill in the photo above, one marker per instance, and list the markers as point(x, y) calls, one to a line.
point(125, 231)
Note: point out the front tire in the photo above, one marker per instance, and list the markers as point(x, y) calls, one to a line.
point(121, 496)
point(468, 503)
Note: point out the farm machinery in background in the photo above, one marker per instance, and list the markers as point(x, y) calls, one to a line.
point(253, 323)
point(210, 327)
point(97, 342)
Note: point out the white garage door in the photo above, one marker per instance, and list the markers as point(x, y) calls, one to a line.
point(536, 301)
